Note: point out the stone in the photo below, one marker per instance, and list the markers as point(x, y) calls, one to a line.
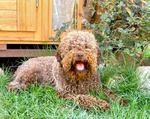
point(143, 72)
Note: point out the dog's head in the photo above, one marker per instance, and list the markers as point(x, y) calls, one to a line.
point(79, 55)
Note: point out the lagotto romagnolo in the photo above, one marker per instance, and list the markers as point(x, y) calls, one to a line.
point(72, 71)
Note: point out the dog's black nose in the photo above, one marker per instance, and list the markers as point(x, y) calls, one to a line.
point(79, 54)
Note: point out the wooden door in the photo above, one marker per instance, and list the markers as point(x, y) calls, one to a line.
point(17, 15)
point(8, 15)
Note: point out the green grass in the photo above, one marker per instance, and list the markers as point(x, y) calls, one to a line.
point(146, 53)
point(43, 103)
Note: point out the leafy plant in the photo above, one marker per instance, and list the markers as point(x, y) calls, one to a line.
point(146, 53)
point(125, 25)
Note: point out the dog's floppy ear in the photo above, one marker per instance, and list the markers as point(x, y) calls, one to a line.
point(99, 55)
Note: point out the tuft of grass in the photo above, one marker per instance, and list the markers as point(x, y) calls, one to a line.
point(146, 53)
point(43, 102)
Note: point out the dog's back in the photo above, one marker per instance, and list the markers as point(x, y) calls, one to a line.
point(38, 69)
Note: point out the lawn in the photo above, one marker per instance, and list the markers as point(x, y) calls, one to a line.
point(147, 52)
point(38, 102)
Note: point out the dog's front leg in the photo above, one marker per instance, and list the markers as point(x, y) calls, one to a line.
point(86, 101)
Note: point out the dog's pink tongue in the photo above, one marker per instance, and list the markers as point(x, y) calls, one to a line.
point(80, 66)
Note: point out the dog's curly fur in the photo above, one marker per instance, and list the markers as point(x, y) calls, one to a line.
point(72, 71)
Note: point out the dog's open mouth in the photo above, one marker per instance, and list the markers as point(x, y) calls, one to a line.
point(80, 66)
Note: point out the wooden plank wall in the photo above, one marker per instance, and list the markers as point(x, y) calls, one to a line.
point(26, 23)
point(8, 15)
point(26, 15)
point(8, 5)
point(44, 22)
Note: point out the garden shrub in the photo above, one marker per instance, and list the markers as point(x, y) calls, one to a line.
point(125, 25)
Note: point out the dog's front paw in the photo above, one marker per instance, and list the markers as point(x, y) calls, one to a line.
point(123, 102)
point(14, 85)
point(102, 105)
point(89, 102)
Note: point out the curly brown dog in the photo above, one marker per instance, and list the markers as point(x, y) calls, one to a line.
point(72, 72)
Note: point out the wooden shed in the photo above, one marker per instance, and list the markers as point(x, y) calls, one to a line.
point(28, 22)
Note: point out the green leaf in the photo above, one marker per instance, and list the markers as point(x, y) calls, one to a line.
point(104, 16)
point(110, 48)
point(107, 30)
point(129, 19)
point(121, 4)
point(120, 44)
point(126, 50)
point(129, 11)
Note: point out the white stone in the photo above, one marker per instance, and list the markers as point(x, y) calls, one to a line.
point(144, 78)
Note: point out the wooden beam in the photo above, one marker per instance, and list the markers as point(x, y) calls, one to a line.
point(28, 42)
point(50, 16)
point(79, 27)
point(25, 53)
point(45, 20)
point(3, 47)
